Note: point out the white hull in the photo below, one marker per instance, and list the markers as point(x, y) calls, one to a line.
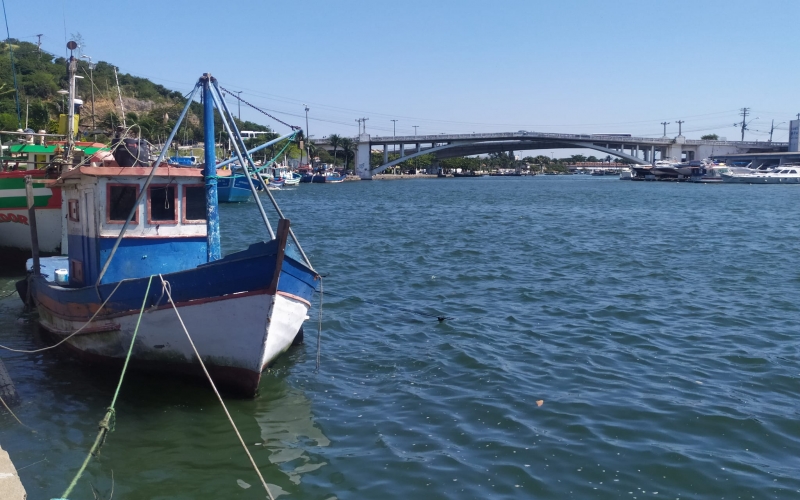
point(238, 336)
point(17, 235)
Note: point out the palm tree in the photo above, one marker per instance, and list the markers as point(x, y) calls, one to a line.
point(347, 148)
point(336, 142)
point(312, 152)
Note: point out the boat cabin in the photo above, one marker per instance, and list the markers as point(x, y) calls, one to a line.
point(167, 233)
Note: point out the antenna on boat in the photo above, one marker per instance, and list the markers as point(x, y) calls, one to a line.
point(69, 145)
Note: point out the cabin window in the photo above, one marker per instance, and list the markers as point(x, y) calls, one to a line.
point(121, 200)
point(73, 211)
point(162, 204)
point(194, 203)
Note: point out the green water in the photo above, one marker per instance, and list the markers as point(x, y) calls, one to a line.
point(656, 323)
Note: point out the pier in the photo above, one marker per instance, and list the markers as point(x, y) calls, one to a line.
point(10, 486)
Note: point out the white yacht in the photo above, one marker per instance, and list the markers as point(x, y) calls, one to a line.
point(785, 174)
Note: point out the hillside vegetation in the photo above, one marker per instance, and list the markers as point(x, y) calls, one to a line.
point(40, 75)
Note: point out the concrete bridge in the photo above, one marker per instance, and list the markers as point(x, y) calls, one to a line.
point(640, 150)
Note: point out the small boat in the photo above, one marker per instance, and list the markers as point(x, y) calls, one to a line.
point(292, 178)
point(289, 178)
point(626, 174)
point(709, 172)
point(327, 177)
point(132, 227)
point(234, 188)
point(183, 161)
point(466, 173)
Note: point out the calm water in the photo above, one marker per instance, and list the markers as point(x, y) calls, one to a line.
point(656, 323)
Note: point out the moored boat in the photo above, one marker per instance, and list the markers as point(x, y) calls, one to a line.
point(140, 235)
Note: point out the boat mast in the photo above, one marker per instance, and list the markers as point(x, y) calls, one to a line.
point(69, 146)
point(210, 171)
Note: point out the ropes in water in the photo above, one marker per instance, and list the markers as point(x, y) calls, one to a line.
point(166, 288)
point(107, 424)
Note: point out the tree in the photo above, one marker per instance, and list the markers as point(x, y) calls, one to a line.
point(592, 159)
point(577, 158)
point(336, 142)
point(347, 148)
point(710, 137)
point(40, 84)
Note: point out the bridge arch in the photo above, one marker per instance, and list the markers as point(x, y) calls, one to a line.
point(459, 149)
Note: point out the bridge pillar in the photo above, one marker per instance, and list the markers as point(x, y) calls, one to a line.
point(418, 148)
point(385, 154)
point(402, 150)
point(363, 168)
point(652, 158)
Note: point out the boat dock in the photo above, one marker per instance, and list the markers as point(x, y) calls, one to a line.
point(10, 485)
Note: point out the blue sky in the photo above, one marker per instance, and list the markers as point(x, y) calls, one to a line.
point(458, 66)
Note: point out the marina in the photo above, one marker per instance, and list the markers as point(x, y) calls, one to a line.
point(208, 290)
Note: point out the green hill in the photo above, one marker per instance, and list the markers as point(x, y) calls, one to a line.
point(40, 75)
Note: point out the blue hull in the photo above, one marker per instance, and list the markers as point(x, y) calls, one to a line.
point(206, 295)
point(233, 189)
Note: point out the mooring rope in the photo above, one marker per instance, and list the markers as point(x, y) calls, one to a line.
point(166, 288)
point(107, 424)
point(13, 415)
point(71, 334)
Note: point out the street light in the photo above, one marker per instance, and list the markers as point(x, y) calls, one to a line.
point(63, 93)
point(91, 80)
point(239, 102)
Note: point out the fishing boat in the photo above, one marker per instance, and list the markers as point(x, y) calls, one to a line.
point(147, 238)
point(42, 159)
point(292, 178)
point(184, 161)
point(327, 176)
point(288, 177)
point(235, 187)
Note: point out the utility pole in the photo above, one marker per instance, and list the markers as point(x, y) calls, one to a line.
point(744, 112)
point(121, 105)
point(39, 45)
point(416, 165)
point(308, 147)
point(771, 129)
point(679, 122)
point(239, 99)
point(665, 127)
point(394, 131)
point(27, 108)
point(362, 121)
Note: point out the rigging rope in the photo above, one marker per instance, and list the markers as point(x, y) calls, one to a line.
point(166, 288)
point(71, 334)
point(236, 96)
